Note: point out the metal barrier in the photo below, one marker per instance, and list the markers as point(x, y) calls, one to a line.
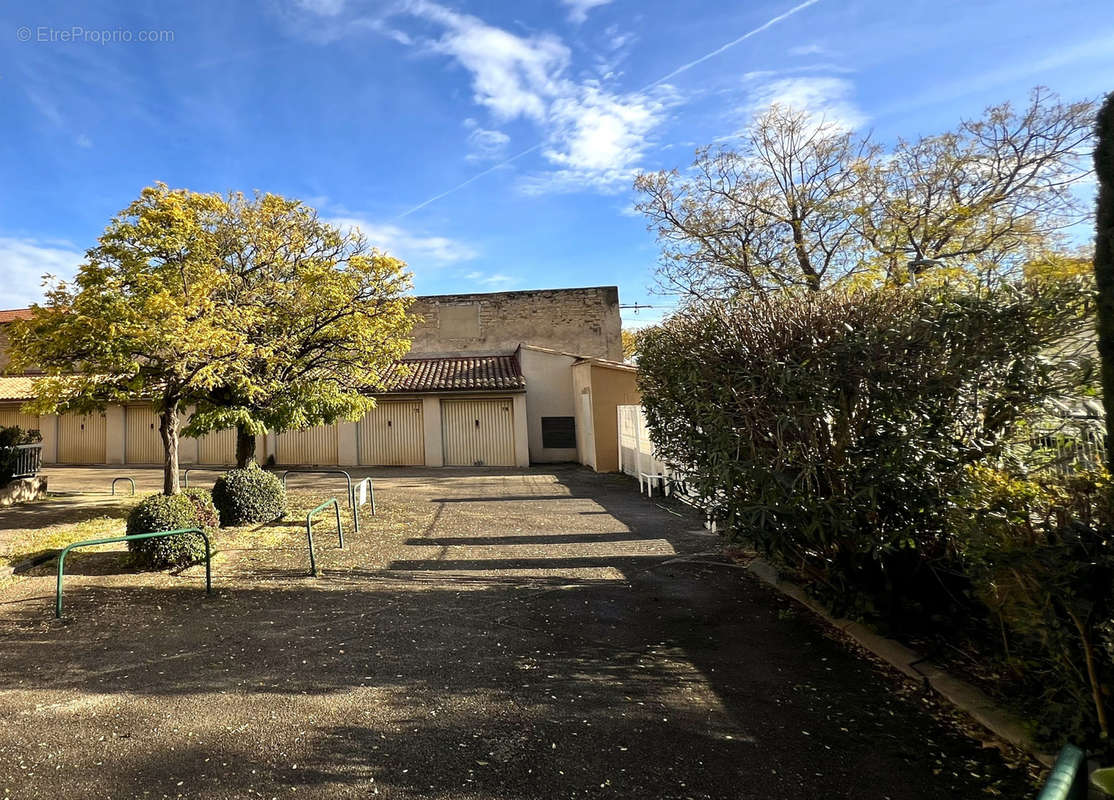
point(351, 491)
point(309, 531)
point(1068, 779)
point(28, 460)
point(186, 476)
point(91, 542)
point(123, 478)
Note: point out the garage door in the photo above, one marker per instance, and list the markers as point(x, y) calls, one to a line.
point(11, 415)
point(217, 449)
point(393, 434)
point(314, 446)
point(478, 432)
point(81, 439)
point(142, 439)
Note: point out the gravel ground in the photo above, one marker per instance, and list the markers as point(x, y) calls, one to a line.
point(490, 634)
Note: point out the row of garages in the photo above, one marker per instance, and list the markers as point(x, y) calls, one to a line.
point(431, 431)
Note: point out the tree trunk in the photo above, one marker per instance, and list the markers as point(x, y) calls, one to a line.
point(1104, 263)
point(168, 429)
point(245, 447)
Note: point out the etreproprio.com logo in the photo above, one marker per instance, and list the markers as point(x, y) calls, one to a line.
point(80, 34)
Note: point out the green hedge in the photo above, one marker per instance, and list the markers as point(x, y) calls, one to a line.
point(248, 495)
point(193, 508)
point(10, 437)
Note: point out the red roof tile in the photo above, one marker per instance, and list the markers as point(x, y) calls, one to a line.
point(13, 314)
point(471, 373)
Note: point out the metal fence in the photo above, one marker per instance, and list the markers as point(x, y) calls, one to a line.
point(28, 460)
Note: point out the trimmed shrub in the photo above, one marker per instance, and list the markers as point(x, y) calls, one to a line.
point(192, 508)
point(248, 495)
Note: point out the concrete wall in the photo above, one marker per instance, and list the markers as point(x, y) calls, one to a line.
point(581, 321)
point(549, 393)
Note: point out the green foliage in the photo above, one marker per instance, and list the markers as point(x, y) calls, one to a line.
point(831, 427)
point(10, 437)
point(847, 433)
point(248, 495)
point(1040, 554)
point(192, 508)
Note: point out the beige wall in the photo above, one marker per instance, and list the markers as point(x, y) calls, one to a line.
point(581, 321)
point(549, 393)
point(599, 389)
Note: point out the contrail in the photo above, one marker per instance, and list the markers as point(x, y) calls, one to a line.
point(683, 68)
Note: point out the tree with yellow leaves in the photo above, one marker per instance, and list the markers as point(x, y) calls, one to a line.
point(254, 311)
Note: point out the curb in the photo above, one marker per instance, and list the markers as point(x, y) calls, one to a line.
point(967, 698)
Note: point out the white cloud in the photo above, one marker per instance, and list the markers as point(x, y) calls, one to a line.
point(593, 136)
point(807, 50)
point(485, 144)
point(415, 249)
point(828, 99)
point(83, 141)
point(24, 261)
point(493, 280)
point(578, 9)
point(511, 75)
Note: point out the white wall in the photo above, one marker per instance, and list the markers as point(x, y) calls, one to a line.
point(549, 393)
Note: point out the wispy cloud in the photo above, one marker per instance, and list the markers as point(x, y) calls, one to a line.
point(830, 100)
point(485, 144)
point(807, 50)
point(415, 248)
point(24, 262)
point(593, 136)
point(578, 9)
point(584, 120)
point(494, 280)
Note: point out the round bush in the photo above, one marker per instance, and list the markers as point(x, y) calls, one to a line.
point(248, 495)
point(192, 508)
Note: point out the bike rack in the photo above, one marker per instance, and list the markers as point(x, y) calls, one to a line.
point(351, 494)
point(122, 478)
point(186, 475)
point(309, 531)
point(91, 542)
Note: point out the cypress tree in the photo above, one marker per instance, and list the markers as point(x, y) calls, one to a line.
point(1104, 262)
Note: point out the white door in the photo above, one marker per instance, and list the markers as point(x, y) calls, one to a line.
point(313, 446)
point(478, 432)
point(81, 439)
point(142, 439)
point(392, 434)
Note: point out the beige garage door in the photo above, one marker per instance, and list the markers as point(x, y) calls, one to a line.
point(313, 446)
point(81, 439)
point(11, 415)
point(478, 432)
point(393, 434)
point(217, 449)
point(142, 439)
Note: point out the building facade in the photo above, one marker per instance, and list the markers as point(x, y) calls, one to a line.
point(499, 379)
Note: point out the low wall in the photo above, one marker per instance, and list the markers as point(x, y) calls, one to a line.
point(23, 490)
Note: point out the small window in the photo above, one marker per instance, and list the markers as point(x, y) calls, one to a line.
point(559, 432)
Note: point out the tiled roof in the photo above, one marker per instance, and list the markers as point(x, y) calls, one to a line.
point(16, 387)
point(474, 373)
point(13, 314)
point(470, 373)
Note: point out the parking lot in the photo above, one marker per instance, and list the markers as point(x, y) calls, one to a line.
point(542, 633)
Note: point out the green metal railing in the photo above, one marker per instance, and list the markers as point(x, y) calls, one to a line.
point(309, 531)
point(91, 542)
point(123, 478)
point(351, 490)
point(1068, 779)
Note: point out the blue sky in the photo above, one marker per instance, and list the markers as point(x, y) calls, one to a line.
point(490, 144)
